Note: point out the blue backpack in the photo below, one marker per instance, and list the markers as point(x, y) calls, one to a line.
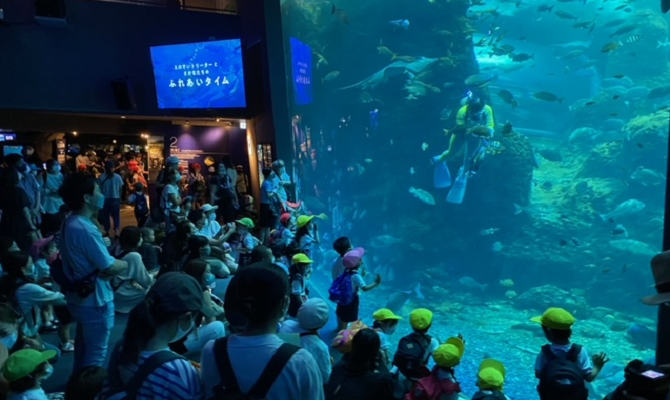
point(342, 290)
point(141, 206)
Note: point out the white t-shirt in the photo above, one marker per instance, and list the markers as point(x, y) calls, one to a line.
point(42, 268)
point(298, 285)
point(299, 380)
point(30, 297)
point(338, 267)
point(210, 230)
point(32, 394)
point(314, 345)
point(583, 360)
point(384, 339)
point(357, 282)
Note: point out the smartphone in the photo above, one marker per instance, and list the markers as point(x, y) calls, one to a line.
point(653, 374)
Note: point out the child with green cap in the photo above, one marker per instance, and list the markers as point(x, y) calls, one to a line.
point(491, 380)
point(415, 349)
point(25, 370)
point(441, 383)
point(563, 367)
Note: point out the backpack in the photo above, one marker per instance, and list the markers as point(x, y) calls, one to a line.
point(411, 355)
point(489, 395)
point(432, 388)
point(342, 289)
point(130, 389)
point(562, 377)
point(141, 205)
point(229, 389)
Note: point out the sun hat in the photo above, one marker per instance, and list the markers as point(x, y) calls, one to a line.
point(421, 318)
point(172, 160)
point(301, 258)
point(23, 363)
point(384, 314)
point(178, 292)
point(313, 314)
point(285, 217)
point(208, 207)
point(353, 258)
point(555, 318)
point(491, 375)
point(246, 222)
point(660, 268)
point(449, 354)
point(304, 220)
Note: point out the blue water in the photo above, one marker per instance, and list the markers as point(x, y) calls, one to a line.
point(587, 136)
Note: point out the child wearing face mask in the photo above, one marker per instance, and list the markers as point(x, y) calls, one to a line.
point(165, 316)
point(25, 370)
point(386, 323)
point(246, 240)
point(19, 287)
point(44, 253)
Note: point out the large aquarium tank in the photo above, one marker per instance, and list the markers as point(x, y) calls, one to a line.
point(551, 193)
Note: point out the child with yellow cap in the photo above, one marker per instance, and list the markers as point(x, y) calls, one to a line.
point(491, 380)
point(563, 367)
point(299, 272)
point(415, 349)
point(385, 324)
point(441, 383)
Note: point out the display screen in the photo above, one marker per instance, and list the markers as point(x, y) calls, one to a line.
point(199, 75)
point(7, 150)
point(7, 137)
point(653, 374)
point(301, 59)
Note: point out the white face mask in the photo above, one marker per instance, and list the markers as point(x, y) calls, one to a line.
point(181, 333)
point(391, 330)
point(212, 217)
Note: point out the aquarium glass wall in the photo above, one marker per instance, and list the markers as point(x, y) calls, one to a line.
point(551, 192)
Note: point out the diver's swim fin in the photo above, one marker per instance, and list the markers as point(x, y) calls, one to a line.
point(441, 176)
point(457, 192)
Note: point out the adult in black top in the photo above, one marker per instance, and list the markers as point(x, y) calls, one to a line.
point(355, 377)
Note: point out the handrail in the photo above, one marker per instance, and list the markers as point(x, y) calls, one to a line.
point(188, 5)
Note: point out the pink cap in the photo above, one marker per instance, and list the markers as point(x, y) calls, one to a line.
point(39, 245)
point(353, 258)
point(284, 218)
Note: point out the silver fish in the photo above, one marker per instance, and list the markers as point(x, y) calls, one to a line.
point(472, 284)
point(634, 247)
point(647, 177)
point(628, 207)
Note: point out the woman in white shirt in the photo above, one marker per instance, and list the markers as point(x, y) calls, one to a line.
point(134, 282)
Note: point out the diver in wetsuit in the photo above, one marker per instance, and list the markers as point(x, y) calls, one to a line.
point(474, 131)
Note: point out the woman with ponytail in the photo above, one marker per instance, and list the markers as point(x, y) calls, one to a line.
point(167, 315)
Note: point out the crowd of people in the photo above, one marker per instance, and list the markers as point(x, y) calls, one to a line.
point(68, 264)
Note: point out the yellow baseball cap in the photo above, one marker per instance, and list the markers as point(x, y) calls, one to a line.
point(421, 318)
point(491, 375)
point(449, 354)
point(555, 318)
point(304, 220)
point(246, 222)
point(301, 259)
point(23, 363)
point(383, 314)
